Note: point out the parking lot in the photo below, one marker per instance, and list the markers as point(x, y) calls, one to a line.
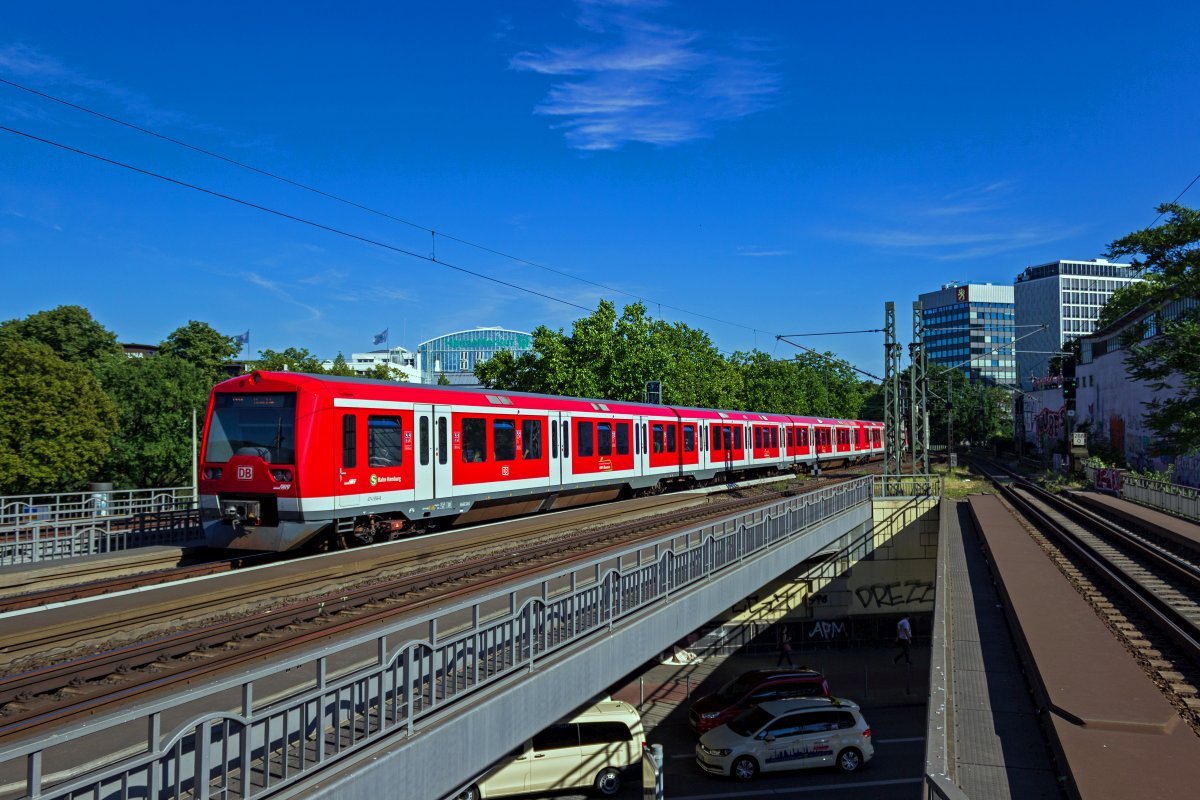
point(893, 700)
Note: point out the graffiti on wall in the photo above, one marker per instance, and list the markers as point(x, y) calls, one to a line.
point(826, 631)
point(890, 595)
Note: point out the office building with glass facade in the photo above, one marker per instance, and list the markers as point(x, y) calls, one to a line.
point(1066, 297)
point(970, 327)
point(455, 355)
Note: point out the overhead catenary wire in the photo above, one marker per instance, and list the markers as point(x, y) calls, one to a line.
point(293, 217)
point(1176, 200)
point(331, 196)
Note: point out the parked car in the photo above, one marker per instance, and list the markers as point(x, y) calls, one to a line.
point(786, 735)
point(598, 748)
point(754, 688)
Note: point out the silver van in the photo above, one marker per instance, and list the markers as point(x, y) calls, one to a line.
point(597, 748)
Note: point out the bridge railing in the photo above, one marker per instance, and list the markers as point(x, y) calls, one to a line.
point(1182, 501)
point(246, 747)
point(43, 527)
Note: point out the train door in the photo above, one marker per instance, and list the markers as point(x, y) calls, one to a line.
point(553, 421)
point(351, 462)
point(433, 467)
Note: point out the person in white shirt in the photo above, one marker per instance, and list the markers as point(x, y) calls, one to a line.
point(903, 638)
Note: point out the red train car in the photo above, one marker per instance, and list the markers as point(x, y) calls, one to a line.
point(291, 460)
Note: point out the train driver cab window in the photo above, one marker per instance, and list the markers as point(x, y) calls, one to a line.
point(385, 441)
point(657, 441)
point(689, 439)
point(583, 439)
point(672, 436)
point(622, 438)
point(474, 440)
point(349, 441)
point(504, 439)
point(531, 439)
point(604, 438)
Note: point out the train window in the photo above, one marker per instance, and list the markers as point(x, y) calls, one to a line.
point(758, 443)
point(775, 438)
point(504, 439)
point(789, 437)
point(689, 439)
point(423, 434)
point(385, 441)
point(349, 441)
point(657, 441)
point(645, 440)
point(531, 439)
point(474, 440)
point(737, 437)
point(716, 438)
point(566, 440)
point(442, 446)
point(553, 440)
point(604, 438)
point(671, 438)
point(622, 438)
point(583, 439)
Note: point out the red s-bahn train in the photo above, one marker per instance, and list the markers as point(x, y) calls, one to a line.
point(292, 460)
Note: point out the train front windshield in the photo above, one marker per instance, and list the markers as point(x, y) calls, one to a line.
point(253, 425)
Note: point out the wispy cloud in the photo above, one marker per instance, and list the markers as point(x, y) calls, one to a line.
point(755, 251)
point(967, 223)
point(27, 65)
point(644, 81)
point(279, 290)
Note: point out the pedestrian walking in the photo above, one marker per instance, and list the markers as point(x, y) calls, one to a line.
point(783, 638)
point(904, 639)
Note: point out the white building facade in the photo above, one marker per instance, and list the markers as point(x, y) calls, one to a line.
point(1065, 296)
point(405, 365)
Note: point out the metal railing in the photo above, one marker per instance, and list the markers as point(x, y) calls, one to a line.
point(29, 510)
point(249, 748)
point(36, 528)
point(1182, 501)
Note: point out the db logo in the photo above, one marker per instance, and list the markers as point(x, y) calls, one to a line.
point(504, 470)
point(245, 473)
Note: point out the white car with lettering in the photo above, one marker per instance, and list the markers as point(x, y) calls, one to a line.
point(786, 735)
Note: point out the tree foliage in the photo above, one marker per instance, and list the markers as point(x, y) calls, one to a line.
point(56, 421)
point(293, 359)
point(70, 331)
point(610, 356)
point(1168, 256)
point(155, 398)
point(200, 344)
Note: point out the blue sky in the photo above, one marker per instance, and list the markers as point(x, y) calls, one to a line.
point(785, 167)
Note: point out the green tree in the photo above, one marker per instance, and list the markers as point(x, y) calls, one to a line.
point(340, 367)
point(1168, 256)
point(200, 344)
point(155, 398)
point(293, 359)
point(55, 420)
point(69, 331)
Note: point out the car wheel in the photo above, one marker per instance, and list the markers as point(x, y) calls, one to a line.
point(849, 760)
point(470, 793)
point(608, 782)
point(744, 768)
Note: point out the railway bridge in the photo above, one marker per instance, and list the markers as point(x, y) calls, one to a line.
point(357, 716)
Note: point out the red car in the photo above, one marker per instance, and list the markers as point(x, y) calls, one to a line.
point(752, 688)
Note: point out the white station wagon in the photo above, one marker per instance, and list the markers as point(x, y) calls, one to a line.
point(786, 735)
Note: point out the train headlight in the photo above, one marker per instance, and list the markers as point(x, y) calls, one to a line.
point(281, 474)
point(212, 473)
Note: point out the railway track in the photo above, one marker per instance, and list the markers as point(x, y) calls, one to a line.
point(1147, 591)
point(66, 662)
